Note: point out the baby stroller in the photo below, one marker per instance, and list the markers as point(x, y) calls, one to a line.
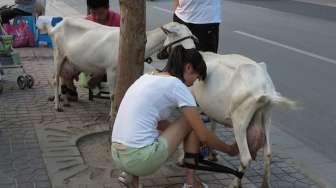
point(10, 59)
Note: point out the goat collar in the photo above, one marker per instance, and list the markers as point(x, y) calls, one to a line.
point(180, 40)
point(163, 54)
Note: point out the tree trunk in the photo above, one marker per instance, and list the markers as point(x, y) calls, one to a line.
point(131, 47)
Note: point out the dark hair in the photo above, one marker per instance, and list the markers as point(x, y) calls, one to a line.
point(93, 4)
point(179, 57)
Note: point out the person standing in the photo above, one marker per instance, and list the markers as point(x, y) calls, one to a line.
point(202, 18)
point(99, 11)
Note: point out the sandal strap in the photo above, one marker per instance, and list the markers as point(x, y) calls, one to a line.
point(191, 186)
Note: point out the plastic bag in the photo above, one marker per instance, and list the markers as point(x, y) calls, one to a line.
point(23, 37)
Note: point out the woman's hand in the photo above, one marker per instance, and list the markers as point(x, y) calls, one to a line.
point(233, 149)
point(204, 135)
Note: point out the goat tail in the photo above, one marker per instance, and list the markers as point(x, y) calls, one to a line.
point(285, 102)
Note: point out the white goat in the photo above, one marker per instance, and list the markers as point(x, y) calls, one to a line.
point(93, 48)
point(239, 92)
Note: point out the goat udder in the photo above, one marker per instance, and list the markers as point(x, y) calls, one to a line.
point(255, 139)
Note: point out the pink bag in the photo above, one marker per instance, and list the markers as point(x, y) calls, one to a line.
point(23, 37)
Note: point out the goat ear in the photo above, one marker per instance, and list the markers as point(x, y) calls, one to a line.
point(166, 31)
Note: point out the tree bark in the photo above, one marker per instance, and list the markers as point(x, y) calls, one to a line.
point(131, 47)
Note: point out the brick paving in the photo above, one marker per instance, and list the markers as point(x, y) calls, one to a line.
point(41, 148)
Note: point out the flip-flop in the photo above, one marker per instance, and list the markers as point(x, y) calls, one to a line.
point(191, 186)
point(126, 179)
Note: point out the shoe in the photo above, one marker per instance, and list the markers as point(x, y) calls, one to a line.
point(126, 179)
point(191, 186)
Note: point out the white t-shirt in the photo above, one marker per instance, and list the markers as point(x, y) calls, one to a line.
point(199, 11)
point(149, 100)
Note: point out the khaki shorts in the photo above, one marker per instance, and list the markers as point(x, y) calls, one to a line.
point(141, 161)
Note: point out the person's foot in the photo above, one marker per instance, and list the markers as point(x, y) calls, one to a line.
point(192, 181)
point(196, 185)
point(125, 179)
point(128, 180)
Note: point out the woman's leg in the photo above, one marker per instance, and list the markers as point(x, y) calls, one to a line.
point(180, 131)
point(175, 133)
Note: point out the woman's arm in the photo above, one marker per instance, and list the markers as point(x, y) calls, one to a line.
point(206, 136)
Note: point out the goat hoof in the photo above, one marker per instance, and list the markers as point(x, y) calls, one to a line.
point(59, 110)
point(51, 98)
point(72, 99)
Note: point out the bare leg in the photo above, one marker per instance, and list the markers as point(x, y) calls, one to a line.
point(180, 131)
point(191, 145)
point(58, 61)
point(212, 153)
point(267, 149)
point(241, 118)
point(111, 79)
point(56, 89)
point(135, 182)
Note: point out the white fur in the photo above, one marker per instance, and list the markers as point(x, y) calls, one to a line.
point(93, 48)
point(235, 90)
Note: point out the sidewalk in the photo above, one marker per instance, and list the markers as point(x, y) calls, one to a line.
point(43, 148)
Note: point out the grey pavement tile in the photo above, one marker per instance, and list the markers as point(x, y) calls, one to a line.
point(225, 182)
point(113, 185)
point(42, 184)
point(220, 176)
point(25, 185)
point(6, 180)
point(7, 185)
point(249, 185)
point(160, 181)
point(175, 180)
point(207, 177)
